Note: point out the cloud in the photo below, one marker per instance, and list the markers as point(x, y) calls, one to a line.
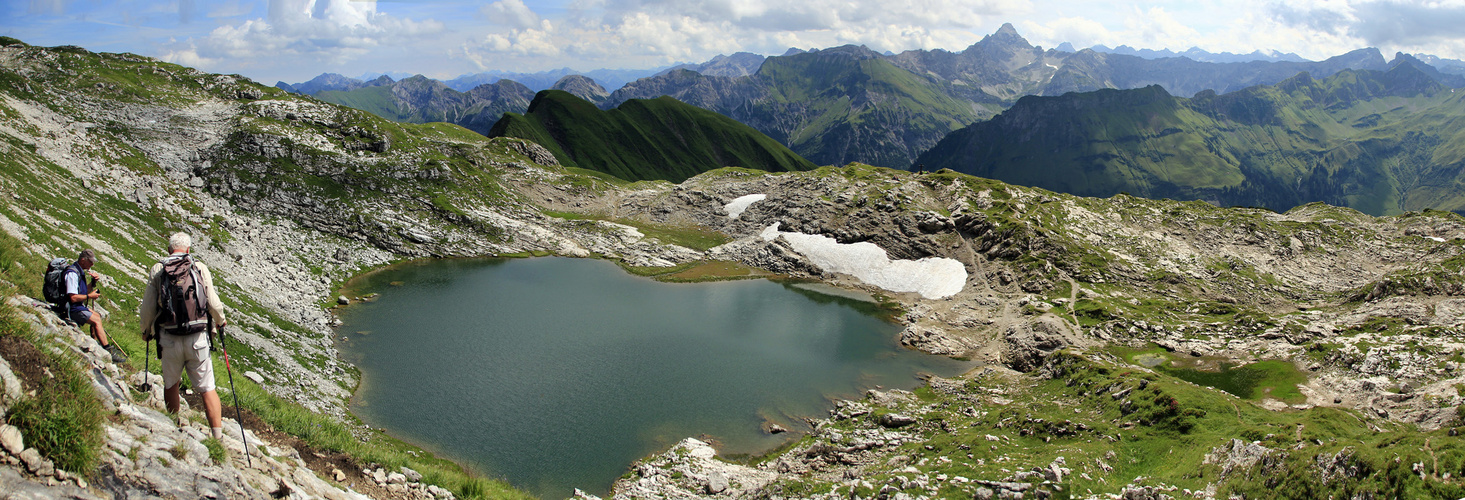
point(1324, 18)
point(1432, 26)
point(56, 7)
point(511, 13)
point(1407, 23)
point(329, 31)
point(654, 32)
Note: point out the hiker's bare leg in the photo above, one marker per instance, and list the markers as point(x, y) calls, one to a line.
point(170, 398)
point(212, 409)
point(97, 332)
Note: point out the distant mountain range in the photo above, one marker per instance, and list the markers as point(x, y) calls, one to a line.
point(422, 100)
point(1382, 142)
point(851, 104)
point(739, 64)
point(654, 139)
point(1193, 53)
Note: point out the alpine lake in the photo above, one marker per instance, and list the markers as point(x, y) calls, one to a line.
point(558, 373)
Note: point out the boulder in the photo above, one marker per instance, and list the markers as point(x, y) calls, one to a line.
point(10, 388)
point(32, 459)
point(935, 341)
point(343, 300)
point(412, 475)
point(716, 482)
point(11, 440)
point(896, 420)
point(396, 478)
point(255, 376)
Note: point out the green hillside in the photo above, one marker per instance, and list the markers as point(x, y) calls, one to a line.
point(865, 110)
point(659, 138)
point(1380, 142)
point(375, 100)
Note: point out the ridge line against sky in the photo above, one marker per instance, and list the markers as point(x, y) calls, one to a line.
point(295, 40)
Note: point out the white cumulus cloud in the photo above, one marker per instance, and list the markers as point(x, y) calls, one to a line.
point(301, 31)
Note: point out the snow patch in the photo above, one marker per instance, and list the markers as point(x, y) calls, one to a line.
point(932, 277)
point(737, 206)
point(1436, 238)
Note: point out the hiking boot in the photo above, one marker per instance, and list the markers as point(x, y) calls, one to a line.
point(117, 355)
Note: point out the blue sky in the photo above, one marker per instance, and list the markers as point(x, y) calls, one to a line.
point(294, 40)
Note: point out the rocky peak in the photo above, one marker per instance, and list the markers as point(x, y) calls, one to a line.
point(1409, 78)
point(324, 82)
point(1402, 59)
point(380, 81)
point(1006, 36)
point(1367, 58)
point(581, 86)
point(502, 89)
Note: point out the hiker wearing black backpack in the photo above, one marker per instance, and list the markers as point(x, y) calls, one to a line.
point(79, 292)
point(179, 308)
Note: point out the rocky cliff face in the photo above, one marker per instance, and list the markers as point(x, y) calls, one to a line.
point(582, 87)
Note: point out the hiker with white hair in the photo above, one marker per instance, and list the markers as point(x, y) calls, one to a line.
point(179, 309)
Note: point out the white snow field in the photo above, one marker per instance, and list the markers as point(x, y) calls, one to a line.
point(932, 277)
point(736, 207)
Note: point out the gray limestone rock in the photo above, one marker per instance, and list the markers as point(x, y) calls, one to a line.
point(10, 389)
point(32, 459)
point(896, 420)
point(716, 482)
point(11, 439)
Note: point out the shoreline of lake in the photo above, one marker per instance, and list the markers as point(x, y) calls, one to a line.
point(357, 285)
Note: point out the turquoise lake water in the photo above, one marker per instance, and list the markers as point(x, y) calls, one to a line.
point(557, 373)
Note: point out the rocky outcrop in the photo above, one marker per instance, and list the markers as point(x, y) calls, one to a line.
point(583, 87)
point(690, 469)
point(1029, 343)
point(147, 453)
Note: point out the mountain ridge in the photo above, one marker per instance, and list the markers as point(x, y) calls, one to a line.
point(660, 139)
point(1279, 146)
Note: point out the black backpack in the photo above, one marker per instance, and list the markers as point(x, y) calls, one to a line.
point(54, 289)
point(182, 298)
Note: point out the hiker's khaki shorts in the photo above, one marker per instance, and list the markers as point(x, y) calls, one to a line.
point(187, 352)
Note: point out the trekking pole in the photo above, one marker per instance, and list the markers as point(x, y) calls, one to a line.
point(92, 288)
point(147, 385)
point(238, 415)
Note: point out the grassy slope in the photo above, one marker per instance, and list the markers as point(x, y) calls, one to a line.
point(644, 139)
point(45, 207)
point(374, 100)
point(1353, 139)
point(1158, 432)
point(847, 106)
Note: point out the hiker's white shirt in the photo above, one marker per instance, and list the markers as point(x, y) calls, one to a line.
point(73, 284)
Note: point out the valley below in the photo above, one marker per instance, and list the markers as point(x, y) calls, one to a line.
point(1078, 314)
